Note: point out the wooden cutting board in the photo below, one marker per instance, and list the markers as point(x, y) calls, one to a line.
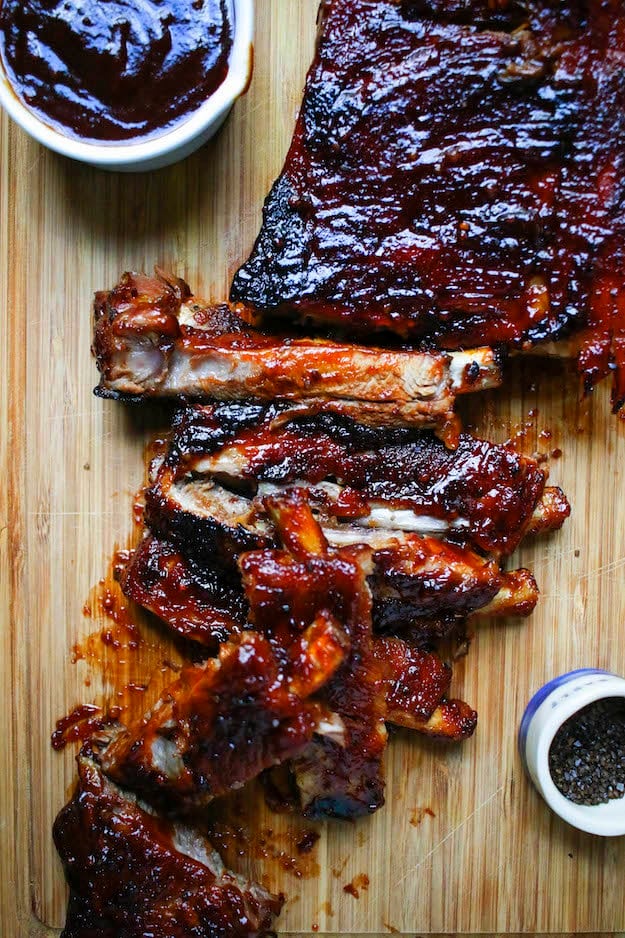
point(464, 844)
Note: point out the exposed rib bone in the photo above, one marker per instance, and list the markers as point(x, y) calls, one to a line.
point(550, 511)
point(452, 719)
point(517, 596)
point(152, 339)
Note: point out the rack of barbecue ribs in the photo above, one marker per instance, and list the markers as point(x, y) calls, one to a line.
point(456, 178)
point(133, 873)
point(316, 560)
point(310, 689)
point(152, 338)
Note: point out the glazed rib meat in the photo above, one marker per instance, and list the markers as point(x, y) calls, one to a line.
point(312, 675)
point(423, 586)
point(285, 590)
point(225, 721)
point(437, 521)
point(284, 519)
point(132, 874)
point(380, 681)
point(406, 684)
point(367, 485)
point(456, 178)
point(198, 601)
point(454, 184)
point(154, 339)
point(421, 589)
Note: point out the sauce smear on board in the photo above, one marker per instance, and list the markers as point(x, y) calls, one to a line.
point(115, 69)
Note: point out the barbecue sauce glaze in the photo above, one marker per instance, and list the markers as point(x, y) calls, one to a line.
point(114, 69)
point(455, 179)
point(127, 876)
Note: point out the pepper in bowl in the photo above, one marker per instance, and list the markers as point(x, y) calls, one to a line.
point(572, 743)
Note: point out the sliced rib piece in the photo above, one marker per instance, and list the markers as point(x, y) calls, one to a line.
point(421, 577)
point(366, 484)
point(225, 721)
point(456, 178)
point(284, 591)
point(200, 603)
point(132, 874)
point(380, 681)
point(411, 684)
point(154, 339)
point(345, 781)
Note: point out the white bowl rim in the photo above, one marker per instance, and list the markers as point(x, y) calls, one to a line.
point(589, 818)
point(112, 154)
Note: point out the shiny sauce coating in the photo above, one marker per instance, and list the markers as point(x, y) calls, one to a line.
point(115, 70)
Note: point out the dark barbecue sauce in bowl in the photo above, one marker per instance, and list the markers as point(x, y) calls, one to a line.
point(115, 70)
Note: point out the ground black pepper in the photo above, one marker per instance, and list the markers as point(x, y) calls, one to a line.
point(587, 755)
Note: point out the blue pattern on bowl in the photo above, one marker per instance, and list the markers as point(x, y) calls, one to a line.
point(541, 695)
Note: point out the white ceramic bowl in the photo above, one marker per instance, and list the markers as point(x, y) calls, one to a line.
point(169, 147)
point(548, 709)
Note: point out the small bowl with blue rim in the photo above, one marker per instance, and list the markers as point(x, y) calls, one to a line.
point(568, 764)
point(171, 138)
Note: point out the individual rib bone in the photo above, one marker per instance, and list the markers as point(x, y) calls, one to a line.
point(153, 339)
point(365, 484)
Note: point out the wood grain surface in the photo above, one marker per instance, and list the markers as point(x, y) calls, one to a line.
point(490, 857)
